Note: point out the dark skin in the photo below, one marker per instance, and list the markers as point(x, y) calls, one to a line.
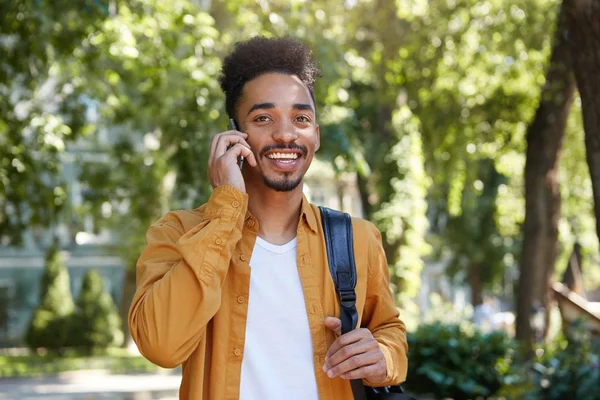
point(276, 110)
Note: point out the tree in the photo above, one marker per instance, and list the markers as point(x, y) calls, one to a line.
point(41, 111)
point(96, 324)
point(155, 64)
point(417, 100)
point(584, 41)
point(465, 71)
point(542, 196)
point(478, 250)
point(49, 324)
point(577, 225)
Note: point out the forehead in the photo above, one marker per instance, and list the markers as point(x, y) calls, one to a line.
point(278, 88)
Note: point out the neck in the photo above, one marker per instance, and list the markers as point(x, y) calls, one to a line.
point(277, 212)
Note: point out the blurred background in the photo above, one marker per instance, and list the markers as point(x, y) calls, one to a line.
point(467, 131)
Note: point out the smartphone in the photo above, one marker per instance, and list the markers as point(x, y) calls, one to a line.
point(232, 126)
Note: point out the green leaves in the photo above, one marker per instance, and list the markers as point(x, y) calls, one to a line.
point(49, 324)
point(451, 361)
point(422, 102)
point(95, 325)
point(155, 65)
point(41, 112)
point(572, 371)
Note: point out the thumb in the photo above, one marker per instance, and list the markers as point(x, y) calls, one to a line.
point(334, 324)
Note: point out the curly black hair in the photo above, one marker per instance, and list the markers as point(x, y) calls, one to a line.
point(261, 55)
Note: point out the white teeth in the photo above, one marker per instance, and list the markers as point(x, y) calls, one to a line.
point(285, 156)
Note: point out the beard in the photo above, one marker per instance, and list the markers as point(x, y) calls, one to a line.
point(284, 184)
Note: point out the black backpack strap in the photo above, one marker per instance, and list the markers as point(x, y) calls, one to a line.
point(340, 253)
point(337, 227)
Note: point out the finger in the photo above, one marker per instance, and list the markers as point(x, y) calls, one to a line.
point(363, 346)
point(227, 136)
point(238, 150)
point(354, 362)
point(334, 324)
point(245, 151)
point(346, 339)
point(227, 141)
point(216, 137)
point(251, 159)
point(367, 371)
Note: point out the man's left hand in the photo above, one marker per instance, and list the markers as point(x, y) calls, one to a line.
point(354, 355)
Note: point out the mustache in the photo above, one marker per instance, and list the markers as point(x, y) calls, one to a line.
point(281, 146)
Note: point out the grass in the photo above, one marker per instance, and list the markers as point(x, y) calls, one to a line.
point(34, 365)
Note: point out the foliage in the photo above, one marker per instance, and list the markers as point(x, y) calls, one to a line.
point(41, 109)
point(478, 250)
point(475, 98)
point(49, 325)
point(402, 216)
point(573, 371)
point(452, 361)
point(427, 104)
point(155, 64)
point(34, 365)
point(96, 323)
point(577, 223)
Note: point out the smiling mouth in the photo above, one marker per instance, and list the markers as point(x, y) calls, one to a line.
point(283, 156)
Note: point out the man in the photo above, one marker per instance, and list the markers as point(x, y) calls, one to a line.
point(239, 290)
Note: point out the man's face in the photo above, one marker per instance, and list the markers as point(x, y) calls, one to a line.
point(278, 114)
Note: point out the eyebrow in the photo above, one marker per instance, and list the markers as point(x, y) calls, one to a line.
point(264, 106)
point(305, 107)
point(260, 106)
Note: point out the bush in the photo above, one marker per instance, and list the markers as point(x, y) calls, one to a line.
point(48, 327)
point(572, 371)
point(460, 363)
point(96, 323)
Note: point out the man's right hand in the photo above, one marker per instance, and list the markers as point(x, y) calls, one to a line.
point(223, 168)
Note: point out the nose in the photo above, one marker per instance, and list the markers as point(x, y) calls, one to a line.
point(285, 131)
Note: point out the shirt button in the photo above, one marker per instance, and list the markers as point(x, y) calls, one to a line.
point(251, 222)
point(235, 203)
point(243, 258)
point(237, 352)
point(240, 299)
point(218, 241)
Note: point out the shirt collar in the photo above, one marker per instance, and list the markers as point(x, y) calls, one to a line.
point(307, 212)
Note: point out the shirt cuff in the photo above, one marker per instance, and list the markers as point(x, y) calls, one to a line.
point(226, 202)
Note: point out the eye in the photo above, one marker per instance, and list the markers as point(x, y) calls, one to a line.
point(302, 118)
point(262, 118)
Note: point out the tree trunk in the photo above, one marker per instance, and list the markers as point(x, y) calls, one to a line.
point(127, 292)
point(542, 196)
point(476, 285)
point(584, 40)
point(363, 189)
point(572, 277)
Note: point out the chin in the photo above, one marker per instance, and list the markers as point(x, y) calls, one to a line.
point(285, 184)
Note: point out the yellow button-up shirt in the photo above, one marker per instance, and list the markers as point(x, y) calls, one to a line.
point(193, 281)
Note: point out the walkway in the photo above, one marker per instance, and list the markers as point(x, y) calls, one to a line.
point(91, 385)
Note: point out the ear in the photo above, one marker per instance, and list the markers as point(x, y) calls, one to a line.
point(317, 138)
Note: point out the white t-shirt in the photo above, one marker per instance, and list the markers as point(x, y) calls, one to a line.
point(278, 355)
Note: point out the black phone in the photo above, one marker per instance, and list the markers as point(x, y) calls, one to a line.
point(233, 126)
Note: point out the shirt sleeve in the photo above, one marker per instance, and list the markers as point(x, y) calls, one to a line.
point(381, 316)
point(180, 275)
